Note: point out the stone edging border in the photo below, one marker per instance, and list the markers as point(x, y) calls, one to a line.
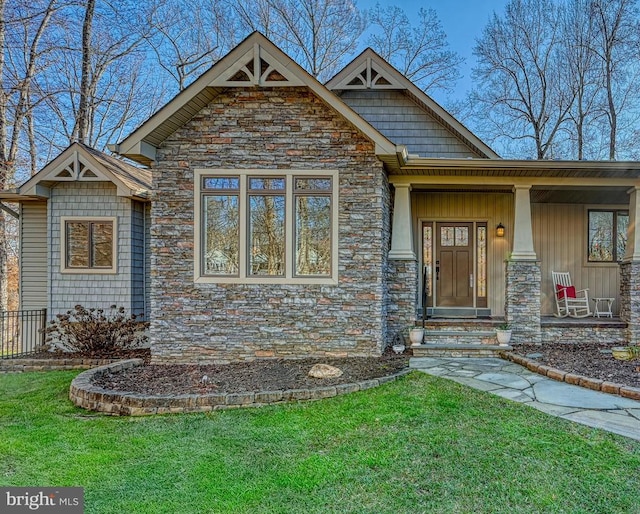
point(571, 378)
point(117, 403)
point(21, 365)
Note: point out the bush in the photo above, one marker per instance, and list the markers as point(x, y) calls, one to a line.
point(94, 331)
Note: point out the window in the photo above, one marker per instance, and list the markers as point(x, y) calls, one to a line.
point(266, 226)
point(88, 245)
point(607, 235)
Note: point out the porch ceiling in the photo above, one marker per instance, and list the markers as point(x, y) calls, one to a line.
point(543, 194)
point(431, 167)
point(612, 195)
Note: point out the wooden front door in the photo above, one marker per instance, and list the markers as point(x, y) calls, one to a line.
point(454, 264)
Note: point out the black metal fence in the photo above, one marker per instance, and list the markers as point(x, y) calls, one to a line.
point(21, 332)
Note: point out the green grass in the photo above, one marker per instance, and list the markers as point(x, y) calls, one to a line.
point(420, 444)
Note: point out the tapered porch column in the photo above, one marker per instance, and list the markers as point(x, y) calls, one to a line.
point(523, 230)
point(523, 274)
point(402, 276)
point(401, 232)
point(630, 272)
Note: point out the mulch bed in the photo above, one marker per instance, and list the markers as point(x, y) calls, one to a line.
point(262, 375)
point(587, 359)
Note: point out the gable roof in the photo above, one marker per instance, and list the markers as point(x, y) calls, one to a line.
point(80, 163)
point(370, 71)
point(254, 62)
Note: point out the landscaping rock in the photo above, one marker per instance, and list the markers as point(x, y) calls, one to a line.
point(324, 371)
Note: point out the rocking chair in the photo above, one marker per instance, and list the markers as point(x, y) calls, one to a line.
point(569, 302)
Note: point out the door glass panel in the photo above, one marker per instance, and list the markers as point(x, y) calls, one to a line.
point(427, 257)
point(462, 236)
point(482, 262)
point(447, 236)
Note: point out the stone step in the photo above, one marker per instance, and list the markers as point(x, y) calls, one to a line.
point(459, 350)
point(483, 337)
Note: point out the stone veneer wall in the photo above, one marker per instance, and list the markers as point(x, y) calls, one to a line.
point(577, 333)
point(402, 279)
point(263, 128)
point(630, 300)
point(522, 300)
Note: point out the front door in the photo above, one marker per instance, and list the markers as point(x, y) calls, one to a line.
point(454, 264)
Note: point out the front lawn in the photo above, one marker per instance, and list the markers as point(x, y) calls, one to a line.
point(421, 444)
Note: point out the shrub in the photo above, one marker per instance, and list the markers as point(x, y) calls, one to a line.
point(94, 331)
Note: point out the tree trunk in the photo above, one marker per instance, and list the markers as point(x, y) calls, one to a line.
point(85, 82)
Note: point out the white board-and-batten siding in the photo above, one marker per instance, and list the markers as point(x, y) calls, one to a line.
point(33, 255)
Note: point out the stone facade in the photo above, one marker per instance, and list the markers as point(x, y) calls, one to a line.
point(630, 300)
point(402, 280)
point(262, 128)
point(522, 300)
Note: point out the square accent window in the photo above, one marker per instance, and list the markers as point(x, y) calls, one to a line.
point(88, 245)
point(607, 238)
point(266, 226)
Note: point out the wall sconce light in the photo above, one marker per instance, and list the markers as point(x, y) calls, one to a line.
point(500, 230)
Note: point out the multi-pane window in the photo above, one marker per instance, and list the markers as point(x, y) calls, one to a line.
point(266, 226)
point(88, 244)
point(607, 235)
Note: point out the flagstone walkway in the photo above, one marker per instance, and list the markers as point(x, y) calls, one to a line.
point(514, 382)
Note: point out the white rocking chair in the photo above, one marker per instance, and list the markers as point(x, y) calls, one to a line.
point(569, 302)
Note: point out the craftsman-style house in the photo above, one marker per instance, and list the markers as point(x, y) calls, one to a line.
point(274, 216)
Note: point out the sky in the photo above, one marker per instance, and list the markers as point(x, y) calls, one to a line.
point(462, 21)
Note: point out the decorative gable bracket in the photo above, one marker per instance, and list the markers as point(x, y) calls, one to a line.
point(257, 67)
point(368, 75)
point(75, 169)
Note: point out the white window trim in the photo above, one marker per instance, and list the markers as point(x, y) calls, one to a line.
point(63, 246)
point(290, 277)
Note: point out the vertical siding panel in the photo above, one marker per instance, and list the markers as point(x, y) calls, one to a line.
point(560, 235)
point(33, 255)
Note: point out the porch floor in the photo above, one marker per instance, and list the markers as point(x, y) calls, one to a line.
point(545, 321)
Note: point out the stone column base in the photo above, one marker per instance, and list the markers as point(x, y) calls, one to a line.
point(402, 296)
point(522, 300)
point(630, 300)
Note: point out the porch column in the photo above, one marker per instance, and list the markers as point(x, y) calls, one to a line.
point(523, 275)
point(522, 229)
point(402, 233)
point(402, 275)
point(630, 273)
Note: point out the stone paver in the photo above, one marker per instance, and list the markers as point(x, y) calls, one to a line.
point(578, 404)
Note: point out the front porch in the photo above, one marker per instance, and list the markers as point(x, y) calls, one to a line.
point(545, 212)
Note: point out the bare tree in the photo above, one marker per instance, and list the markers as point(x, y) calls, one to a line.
point(189, 37)
point(520, 74)
point(420, 52)
point(616, 45)
point(580, 74)
point(101, 84)
point(20, 60)
point(317, 34)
